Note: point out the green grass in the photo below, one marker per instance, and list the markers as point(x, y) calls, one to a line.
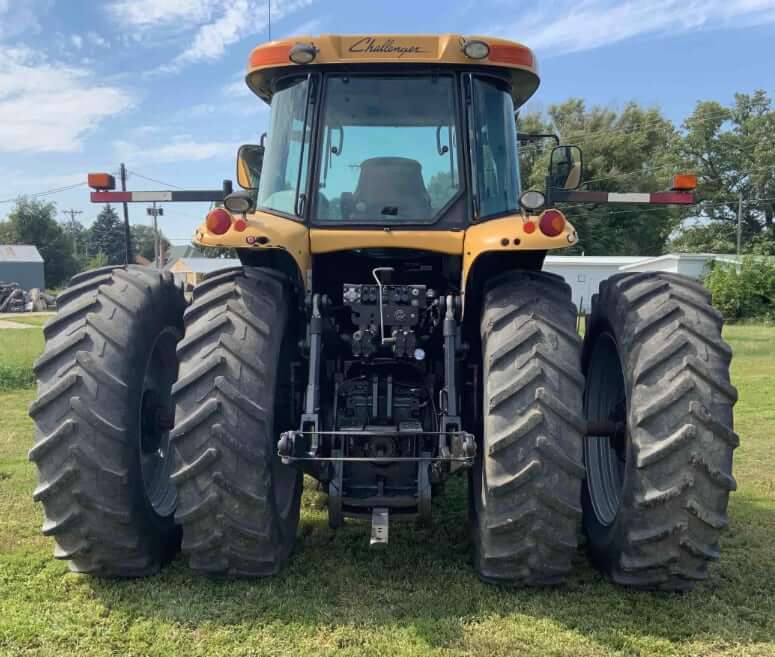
point(29, 320)
point(417, 597)
point(18, 350)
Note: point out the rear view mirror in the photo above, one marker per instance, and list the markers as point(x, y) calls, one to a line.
point(250, 159)
point(565, 167)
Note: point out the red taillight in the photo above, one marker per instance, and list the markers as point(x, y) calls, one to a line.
point(218, 221)
point(552, 223)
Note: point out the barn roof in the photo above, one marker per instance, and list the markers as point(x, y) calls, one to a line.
point(19, 253)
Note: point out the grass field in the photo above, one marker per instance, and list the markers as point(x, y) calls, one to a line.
point(417, 597)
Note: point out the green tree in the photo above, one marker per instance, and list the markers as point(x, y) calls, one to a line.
point(77, 235)
point(106, 236)
point(143, 241)
point(32, 222)
point(627, 150)
point(731, 150)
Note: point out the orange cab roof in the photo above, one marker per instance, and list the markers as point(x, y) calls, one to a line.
point(271, 60)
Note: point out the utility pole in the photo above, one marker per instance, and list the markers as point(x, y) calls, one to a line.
point(127, 234)
point(156, 212)
point(72, 214)
point(739, 221)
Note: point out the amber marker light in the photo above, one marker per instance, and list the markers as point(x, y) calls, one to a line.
point(683, 182)
point(101, 181)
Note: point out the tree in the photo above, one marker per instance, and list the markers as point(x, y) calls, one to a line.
point(77, 235)
point(143, 240)
point(627, 150)
point(710, 237)
point(730, 149)
point(106, 236)
point(32, 222)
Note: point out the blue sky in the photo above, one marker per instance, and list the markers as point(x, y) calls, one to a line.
point(158, 83)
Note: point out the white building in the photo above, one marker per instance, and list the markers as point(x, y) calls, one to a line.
point(584, 273)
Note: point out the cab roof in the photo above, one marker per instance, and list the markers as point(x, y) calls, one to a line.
point(271, 60)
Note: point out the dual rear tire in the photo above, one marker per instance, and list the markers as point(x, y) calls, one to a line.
point(654, 372)
point(114, 476)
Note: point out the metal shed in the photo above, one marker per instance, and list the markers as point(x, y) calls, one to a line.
point(584, 273)
point(22, 264)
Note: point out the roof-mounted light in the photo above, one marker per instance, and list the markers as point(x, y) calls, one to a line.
point(303, 53)
point(475, 49)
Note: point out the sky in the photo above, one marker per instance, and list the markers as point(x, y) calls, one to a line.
point(159, 84)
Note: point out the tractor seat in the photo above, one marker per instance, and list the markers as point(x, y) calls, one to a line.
point(390, 186)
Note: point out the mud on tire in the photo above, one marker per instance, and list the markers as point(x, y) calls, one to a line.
point(113, 325)
point(238, 505)
point(656, 497)
point(526, 483)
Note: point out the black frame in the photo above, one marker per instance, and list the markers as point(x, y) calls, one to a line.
point(462, 108)
point(392, 72)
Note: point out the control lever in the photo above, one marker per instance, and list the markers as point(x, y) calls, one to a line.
point(374, 271)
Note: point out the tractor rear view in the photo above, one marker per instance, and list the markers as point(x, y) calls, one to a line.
point(389, 328)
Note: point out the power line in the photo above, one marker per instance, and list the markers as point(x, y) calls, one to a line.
point(153, 180)
point(48, 192)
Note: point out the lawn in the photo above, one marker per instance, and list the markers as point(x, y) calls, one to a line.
point(418, 596)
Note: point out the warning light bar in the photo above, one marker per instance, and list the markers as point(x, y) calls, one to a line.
point(646, 198)
point(190, 196)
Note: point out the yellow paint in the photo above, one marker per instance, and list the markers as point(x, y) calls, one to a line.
point(264, 231)
point(508, 234)
point(270, 60)
point(328, 240)
point(505, 234)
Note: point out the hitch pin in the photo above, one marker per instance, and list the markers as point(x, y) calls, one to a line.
point(379, 526)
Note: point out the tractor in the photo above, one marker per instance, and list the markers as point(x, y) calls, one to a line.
point(390, 327)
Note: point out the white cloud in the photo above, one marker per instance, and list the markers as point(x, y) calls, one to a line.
point(155, 13)
point(48, 106)
point(77, 41)
point(18, 17)
point(237, 88)
point(306, 28)
point(181, 149)
point(213, 25)
point(96, 40)
point(564, 26)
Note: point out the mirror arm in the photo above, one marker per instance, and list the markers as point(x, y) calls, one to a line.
point(528, 137)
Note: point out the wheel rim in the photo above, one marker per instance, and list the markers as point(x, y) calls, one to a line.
point(605, 456)
point(156, 418)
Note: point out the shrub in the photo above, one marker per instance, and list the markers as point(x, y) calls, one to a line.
point(744, 291)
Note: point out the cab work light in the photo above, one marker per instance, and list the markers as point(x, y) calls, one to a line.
point(302, 53)
point(475, 49)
